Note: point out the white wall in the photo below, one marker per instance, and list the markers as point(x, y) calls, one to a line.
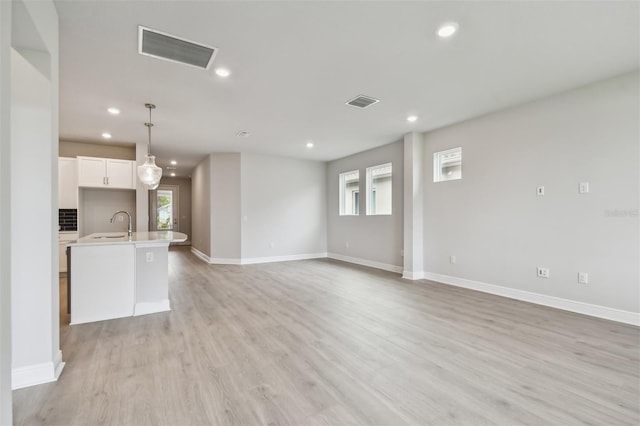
point(374, 240)
point(201, 207)
point(36, 356)
point(497, 227)
point(5, 216)
point(283, 208)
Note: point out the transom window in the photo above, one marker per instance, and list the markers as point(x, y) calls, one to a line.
point(447, 165)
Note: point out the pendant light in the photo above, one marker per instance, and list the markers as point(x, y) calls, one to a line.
point(149, 173)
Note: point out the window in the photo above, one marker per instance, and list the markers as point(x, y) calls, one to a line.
point(379, 189)
point(447, 165)
point(350, 193)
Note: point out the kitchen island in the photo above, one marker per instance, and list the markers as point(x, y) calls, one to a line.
point(115, 275)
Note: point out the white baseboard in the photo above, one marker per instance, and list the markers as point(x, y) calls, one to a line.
point(37, 374)
point(225, 261)
point(604, 312)
point(200, 255)
point(410, 275)
point(145, 308)
point(365, 262)
point(252, 260)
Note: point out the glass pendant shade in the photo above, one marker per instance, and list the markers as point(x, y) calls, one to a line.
point(150, 174)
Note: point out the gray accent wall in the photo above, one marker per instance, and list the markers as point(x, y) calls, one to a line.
point(201, 206)
point(97, 206)
point(283, 207)
point(372, 238)
point(248, 207)
point(225, 206)
point(500, 230)
point(86, 149)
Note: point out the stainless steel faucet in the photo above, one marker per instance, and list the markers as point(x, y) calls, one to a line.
point(128, 215)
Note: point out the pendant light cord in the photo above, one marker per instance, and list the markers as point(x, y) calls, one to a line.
point(149, 125)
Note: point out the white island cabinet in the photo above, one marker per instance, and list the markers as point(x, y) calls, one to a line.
point(113, 275)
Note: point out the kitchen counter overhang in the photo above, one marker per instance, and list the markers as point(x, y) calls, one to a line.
point(136, 237)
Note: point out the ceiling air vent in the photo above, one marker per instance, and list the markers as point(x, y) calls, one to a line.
point(175, 49)
point(362, 101)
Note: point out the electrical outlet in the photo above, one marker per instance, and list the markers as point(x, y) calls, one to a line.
point(583, 278)
point(452, 259)
point(346, 244)
point(543, 272)
point(583, 188)
point(149, 256)
point(540, 191)
point(272, 244)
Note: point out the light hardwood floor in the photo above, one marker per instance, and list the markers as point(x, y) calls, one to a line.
point(321, 342)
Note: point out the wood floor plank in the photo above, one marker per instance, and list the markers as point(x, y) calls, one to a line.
point(322, 342)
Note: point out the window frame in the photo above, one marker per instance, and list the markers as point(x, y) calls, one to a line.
point(341, 193)
point(370, 205)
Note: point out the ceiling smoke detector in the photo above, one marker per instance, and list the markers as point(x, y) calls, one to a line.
point(171, 48)
point(362, 101)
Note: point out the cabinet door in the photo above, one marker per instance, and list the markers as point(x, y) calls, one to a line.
point(120, 174)
point(91, 172)
point(67, 183)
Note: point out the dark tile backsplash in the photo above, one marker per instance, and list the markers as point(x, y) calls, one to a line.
point(68, 219)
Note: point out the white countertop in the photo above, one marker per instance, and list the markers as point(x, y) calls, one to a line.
point(136, 237)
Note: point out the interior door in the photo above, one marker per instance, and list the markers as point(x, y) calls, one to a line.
point(165, 208)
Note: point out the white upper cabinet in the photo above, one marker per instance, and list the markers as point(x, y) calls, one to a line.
point(120, 174)
point(67, 183)
point(106, 173)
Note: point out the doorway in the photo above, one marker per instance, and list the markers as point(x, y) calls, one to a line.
point(165, 208)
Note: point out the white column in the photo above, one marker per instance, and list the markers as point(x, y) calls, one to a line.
point(36, 355)
point(413, 206)
point(6, 417)
point(142, 194)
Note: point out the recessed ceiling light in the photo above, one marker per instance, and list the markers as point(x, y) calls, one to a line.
point(173, 175)
point(113, 111)
point(309, 144)
point(412, 118)
point(447, 30)
point(174, 162)
point(223, 72)
point(106, 135)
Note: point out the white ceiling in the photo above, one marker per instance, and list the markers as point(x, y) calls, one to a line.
point(294, 64)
